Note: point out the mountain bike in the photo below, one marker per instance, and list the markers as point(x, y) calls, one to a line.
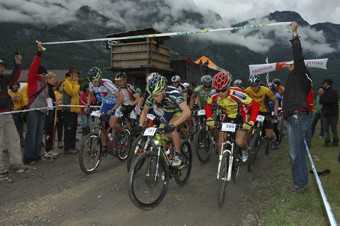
point(142, 142)
point(256, 141)
point(91, 149)
point(229, 160)
point(151, 171)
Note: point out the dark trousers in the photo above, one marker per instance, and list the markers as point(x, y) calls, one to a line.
point(316, 118)
point(19, 123)
point(70, 130)
point(49, 130)
point(60, 125)
point(330, 121)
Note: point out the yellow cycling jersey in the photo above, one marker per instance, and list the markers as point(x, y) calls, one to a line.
point(231, 104)
point(262, 97)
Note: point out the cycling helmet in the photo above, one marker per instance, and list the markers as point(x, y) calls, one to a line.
point(175, 78)
point(238, 83)
point(186, 85)
point(206, 81)
point(254, 80)
point(156, 83)
point(222, 80)
point(120, 76)
point(94, 74)
point(271, 85)
point(276, 81)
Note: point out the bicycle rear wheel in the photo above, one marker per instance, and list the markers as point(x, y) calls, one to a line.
point(148, 181)
point(253, 150)
point(203, 145)
point(90, 154)
point(281, 135)
point(184, 170)
point(268, 145)
point(222, 179)
point(124, 145)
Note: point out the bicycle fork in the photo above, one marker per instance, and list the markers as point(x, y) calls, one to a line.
point(231, 160)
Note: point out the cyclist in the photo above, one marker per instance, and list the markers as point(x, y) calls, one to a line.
point(201, 92)
point(169, 101)
point(176, 82)
point(111, 100)
point(131, 97)
point(238, 83)
point(272, 86)
point(263, 95)
point(279, 88)
point(231, 100)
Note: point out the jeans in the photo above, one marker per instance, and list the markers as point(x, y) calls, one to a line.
point(34, 136)
point(85, 120)
point(309, 130)
point(297, 126)
point(316, 118)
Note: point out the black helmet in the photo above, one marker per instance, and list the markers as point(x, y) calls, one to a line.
point(94, 74)
point(120, 76)
point(206, 81)
point(254, 80)
point(276, 81)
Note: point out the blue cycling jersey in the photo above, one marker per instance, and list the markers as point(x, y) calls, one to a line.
point(105, 91)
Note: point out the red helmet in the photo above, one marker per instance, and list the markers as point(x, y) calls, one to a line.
point(222, 80)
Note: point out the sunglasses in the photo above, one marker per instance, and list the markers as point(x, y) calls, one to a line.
point(221, 91)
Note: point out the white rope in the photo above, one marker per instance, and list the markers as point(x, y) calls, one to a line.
point(46, 108)
point(179, 33)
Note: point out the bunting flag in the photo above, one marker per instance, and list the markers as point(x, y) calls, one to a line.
point(256, 69)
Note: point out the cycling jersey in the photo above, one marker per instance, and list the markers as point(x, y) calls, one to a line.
point(233, 105)
point(202, 95)
point(181, 88)
point(128, 91)
point(106, 90)
point(262, 97)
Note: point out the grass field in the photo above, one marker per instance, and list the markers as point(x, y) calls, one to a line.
point(305, 208)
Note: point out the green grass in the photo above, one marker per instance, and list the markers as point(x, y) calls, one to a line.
point(305, 208)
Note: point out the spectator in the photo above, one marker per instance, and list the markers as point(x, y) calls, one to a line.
point(18, 104)
point(295, 112)
point(85, 117)
point(8, 135)
point(330, 112)
point(317, 114)
point(71, 97)
point(58, 92)
point(49, 126)
point(37, 96)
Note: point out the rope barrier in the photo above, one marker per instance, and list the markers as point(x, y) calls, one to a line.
point(179, 33)
point(329, 211)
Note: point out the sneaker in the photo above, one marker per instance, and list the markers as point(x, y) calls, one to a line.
point(176, 161)
point(48, 155)
point(297, 189)
point(244, 155)
point(60, 145)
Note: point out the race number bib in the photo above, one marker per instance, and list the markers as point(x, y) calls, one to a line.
point(95, 113)
point(228, 127)
point(150, 131)
point(260, 118)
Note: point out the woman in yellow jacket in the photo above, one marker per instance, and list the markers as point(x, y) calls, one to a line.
point(58, 92)
point(71, 97)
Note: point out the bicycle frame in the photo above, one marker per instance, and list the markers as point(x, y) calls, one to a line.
point(229, 141)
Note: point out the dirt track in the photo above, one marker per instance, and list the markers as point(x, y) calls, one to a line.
point(59, 193)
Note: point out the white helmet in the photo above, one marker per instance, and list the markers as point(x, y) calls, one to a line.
point(186, 85)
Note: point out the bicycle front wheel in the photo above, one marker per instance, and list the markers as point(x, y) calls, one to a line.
point(222, 179)
point(124, 145)
point(90, 153)
point(253, 150)
point(148, 181)
point(203, 145)
point(184, 170)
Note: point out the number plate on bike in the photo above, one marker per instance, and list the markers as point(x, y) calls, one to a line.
point(95, 113)
point(151, 116)
point(150, 131)
point(260, 118)
point(201, 112)
point(228, 127)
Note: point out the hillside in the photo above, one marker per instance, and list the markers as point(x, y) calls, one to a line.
point(232, 56)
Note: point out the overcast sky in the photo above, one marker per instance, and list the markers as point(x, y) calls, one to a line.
point(126, 14)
